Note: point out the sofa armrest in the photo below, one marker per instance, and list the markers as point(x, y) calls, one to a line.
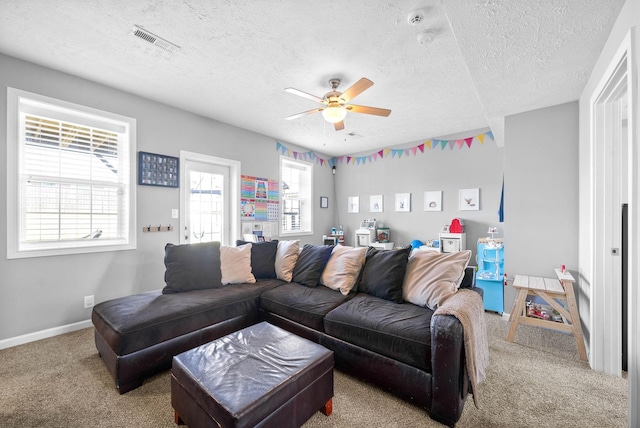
point(450, 383)
point(469, 280)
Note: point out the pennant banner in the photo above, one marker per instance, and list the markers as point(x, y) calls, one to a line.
point(309, 156)
point(386, 152)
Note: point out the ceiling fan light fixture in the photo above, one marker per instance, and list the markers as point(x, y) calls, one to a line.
point(334, 112)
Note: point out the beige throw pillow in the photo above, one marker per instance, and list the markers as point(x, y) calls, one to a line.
point(235, 264)
point(431, 278)
point(286, 258)
point(341, 272)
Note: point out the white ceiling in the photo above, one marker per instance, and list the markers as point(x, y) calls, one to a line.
point(489, 59)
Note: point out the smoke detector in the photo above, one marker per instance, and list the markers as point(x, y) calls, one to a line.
point(426, 37)
point(151, 38)
point(415, 17)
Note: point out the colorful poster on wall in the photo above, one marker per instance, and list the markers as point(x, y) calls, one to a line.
point(261, 189)
point(247, 209)
point(259, 199)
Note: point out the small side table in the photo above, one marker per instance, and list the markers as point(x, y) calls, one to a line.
point(549, 290)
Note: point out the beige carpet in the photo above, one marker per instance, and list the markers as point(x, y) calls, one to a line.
point(538, 381)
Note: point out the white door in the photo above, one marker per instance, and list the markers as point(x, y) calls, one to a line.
point(207, 198)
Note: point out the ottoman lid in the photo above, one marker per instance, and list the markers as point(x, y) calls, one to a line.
point(241, 378)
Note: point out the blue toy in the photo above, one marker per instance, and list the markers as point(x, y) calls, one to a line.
point(416, 243)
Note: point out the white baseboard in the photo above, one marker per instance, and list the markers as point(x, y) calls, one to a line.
point(505, 316)
point(43, 334)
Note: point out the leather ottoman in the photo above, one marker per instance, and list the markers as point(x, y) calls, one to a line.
point(258, 376)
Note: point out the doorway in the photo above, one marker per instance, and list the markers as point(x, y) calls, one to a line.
point(209, 199)
point(610, 190)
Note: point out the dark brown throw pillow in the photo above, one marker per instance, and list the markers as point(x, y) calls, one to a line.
point(192, 267)
point(311, 262)
point(383, 273)
point(263, 258)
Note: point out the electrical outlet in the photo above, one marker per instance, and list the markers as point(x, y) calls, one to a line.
point(174, 213)
point(88, 302)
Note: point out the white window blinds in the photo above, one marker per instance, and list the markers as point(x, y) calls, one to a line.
point(296, 207)
point(73, 179)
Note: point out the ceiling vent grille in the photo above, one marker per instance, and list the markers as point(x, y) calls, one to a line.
point(149, 37)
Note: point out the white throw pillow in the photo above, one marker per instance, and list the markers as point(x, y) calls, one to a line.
point(431, 278)
point(235, 264)
point(341, 272)
point(286, 258)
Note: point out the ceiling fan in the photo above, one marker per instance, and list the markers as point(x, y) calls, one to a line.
point(335, 103)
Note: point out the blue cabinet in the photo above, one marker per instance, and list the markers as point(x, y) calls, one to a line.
point(490, 274)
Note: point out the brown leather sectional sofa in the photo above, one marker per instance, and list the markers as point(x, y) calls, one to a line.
point(400, 347)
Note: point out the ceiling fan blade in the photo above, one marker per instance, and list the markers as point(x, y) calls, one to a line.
point(304, 95)
point(304, 113)
point(368, 110)
point(356, 89)
point(339, 125)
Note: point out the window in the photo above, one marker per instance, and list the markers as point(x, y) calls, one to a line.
point(295, 190)
point(70, 178)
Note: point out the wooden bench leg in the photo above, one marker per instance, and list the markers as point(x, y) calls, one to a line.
point(177, 418)
point(327, 409)
point(516, 313)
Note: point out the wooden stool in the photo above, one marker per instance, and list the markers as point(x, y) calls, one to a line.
point(549, 290)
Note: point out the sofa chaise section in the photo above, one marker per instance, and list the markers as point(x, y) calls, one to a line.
point(138, 335)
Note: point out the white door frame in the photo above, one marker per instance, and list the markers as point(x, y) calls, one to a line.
point(234, 192)
point(605, 321)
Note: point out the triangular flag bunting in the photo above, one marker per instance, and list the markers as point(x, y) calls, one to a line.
point(357, 160)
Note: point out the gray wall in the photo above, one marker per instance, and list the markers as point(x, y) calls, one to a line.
point(539, 162)
point(47, 292)
point(449, 170)
point(541, 193)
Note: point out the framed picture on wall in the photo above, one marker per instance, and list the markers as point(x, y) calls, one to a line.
point(375, 203)
point(158, 170)
point(433, 200)
point(353, 204)
point(469, 200)
point(403, 202)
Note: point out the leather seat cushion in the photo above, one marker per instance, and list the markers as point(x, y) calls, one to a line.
point(132, 323)
point(245, 376)
point(301, 304)
point(397, 330)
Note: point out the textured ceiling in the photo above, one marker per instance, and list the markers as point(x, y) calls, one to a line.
point(490, 58)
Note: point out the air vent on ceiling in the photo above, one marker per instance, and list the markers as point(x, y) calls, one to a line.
point(149, 37)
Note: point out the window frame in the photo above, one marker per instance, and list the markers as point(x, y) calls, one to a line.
point(305, 202)
point(80, 114)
